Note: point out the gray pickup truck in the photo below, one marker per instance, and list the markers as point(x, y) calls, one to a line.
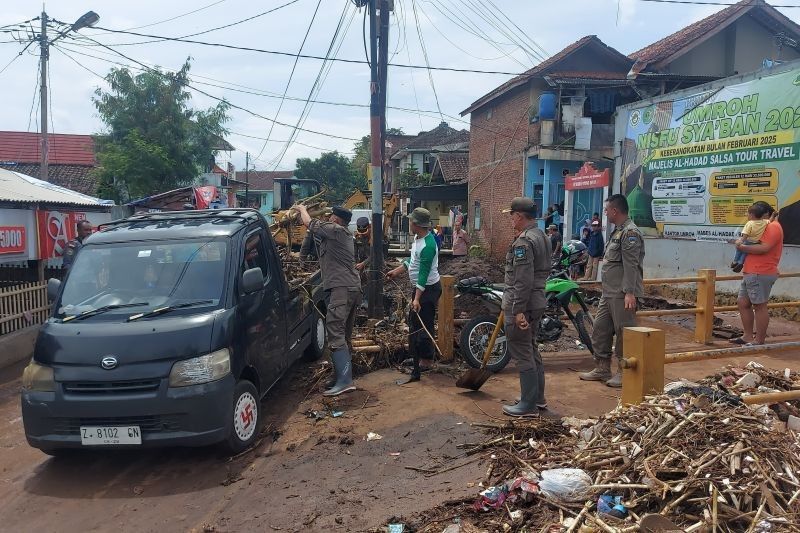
point(168, 330)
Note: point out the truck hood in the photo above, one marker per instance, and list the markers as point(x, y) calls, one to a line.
point(151, 344)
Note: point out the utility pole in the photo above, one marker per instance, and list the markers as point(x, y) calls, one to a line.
point(44, 49)
point(379, 50)
point(246, 178)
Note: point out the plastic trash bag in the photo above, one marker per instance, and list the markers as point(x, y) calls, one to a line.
point(565, 484)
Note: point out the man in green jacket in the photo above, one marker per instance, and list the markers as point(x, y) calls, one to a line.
point(423, 270)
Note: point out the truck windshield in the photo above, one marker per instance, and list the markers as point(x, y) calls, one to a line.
point(164, 274)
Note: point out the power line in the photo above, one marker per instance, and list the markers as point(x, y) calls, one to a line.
point(176, 17)
point(692, 2)
point(521, 31)
point(321, 77)
point(222, 99)
point(217, 28)
point(425, 55)
point(503, 29)
point(303, 56)
point(291, 76)
point(35, 94)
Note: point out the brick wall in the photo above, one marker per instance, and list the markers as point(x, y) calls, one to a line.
point(496, 164)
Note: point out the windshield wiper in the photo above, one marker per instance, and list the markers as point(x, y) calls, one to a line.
point(100, 310)
point(167, 309)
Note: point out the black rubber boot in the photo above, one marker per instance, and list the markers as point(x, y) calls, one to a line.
point(526, 407)
point(343, 366)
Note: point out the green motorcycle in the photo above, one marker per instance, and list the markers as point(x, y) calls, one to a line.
point(560, 291)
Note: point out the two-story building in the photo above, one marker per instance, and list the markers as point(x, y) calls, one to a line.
point(529, 134)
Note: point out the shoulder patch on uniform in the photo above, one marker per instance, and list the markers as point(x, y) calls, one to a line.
point(520, 252)
point(633, 238)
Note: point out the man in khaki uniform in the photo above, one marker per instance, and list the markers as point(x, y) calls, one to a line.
point(526, 270)
point(339, 277)
point(622, 284)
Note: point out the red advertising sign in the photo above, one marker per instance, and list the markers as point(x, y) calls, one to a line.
point(204, 196)
point(56, 229)
point(588, 177)
point(12, 240)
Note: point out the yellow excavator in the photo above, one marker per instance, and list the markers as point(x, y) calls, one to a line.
point(286, 227)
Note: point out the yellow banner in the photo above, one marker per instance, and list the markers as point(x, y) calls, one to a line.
point(761, 140)
point(753, 181)
point(733, 210)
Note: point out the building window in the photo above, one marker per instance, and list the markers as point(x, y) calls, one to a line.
point(426, 164)
point(476, 217)
point(489, 113)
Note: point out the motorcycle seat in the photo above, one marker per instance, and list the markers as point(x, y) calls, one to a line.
point(476, 281)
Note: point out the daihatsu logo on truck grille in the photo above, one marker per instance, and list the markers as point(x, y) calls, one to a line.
point(109, 362)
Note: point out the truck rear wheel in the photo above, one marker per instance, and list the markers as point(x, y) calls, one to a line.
point(245, 417)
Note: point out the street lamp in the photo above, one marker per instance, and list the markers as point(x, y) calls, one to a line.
point(88, 19)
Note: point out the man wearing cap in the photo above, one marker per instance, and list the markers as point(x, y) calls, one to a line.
point(423, 270)
point(340, 279)
point(595, 246)
point(622, 284)
point(555, 240)
point(363, 239)
point(526, 270)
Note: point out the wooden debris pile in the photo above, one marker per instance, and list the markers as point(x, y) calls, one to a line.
point(697, 456)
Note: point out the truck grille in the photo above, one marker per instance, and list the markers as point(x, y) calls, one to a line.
point(112, 387)
point(148, 424)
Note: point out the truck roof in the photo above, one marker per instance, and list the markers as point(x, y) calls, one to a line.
point(176, 225)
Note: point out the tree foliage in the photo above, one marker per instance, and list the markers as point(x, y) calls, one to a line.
point(362, 152)
point(334, 172)
point(410, 177)
point(154, 141)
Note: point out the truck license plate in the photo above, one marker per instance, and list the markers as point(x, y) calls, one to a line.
point(110, 435)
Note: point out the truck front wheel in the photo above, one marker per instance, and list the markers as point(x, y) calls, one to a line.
point(245, 418)
point(316, 347)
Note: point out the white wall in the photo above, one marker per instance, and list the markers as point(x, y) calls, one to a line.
point(668, 258)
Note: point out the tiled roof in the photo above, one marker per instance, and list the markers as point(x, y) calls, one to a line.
point(262, 180)
point(542, 68)
point(395, 143)
point(68, 149)
point(440, 135)
point(455, 166)
point(74, 177)
point(18, 187)
point(705, 28)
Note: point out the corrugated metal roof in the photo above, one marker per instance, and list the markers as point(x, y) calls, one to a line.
point(16, 187)
point(68, 149)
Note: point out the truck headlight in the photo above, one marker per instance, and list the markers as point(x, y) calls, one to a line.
point(203, 369)
point(38, 377)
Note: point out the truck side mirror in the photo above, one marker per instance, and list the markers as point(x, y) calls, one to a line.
point(53, 286)
point(252, 280)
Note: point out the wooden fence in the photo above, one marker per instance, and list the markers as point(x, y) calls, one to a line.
point(23, 305)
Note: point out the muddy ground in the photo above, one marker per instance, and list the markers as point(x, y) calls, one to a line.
point(307, 474)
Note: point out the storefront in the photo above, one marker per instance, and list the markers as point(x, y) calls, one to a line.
point(586, 190)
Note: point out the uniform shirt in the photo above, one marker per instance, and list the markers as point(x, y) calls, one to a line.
point(308, 250)
point(73, 247)
point(423, 265)
point(336, 255)
point(622, 262)
point(526, 271)
point(363, 245)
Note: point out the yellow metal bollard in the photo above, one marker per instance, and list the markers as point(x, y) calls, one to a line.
point(444, 337)
point(643, 363)
point(706, 292)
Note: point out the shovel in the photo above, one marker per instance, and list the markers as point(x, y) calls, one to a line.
point(474, 378)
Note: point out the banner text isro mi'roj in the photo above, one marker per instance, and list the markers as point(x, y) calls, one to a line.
point(735, 117)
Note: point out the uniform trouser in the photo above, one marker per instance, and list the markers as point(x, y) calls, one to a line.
point(592, 268)
point(341, 315)
point(610, 320)
point(419, 342)
point(524, 349)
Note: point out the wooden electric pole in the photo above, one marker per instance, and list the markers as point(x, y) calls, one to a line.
point(44, 52)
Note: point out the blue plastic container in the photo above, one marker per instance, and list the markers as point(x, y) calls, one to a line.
point(547, 106)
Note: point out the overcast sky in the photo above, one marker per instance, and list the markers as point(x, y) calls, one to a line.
point(469, 34)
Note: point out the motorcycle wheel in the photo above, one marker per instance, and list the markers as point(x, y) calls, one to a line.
point(585, 325)
point(474, 339)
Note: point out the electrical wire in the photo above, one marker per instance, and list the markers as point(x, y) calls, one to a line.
point(291, 76)
point(321, 76)
point(425, 55)
point(522, 32)
point(217, 28)
point(216, 98)
point(16, 57)
point(305, 56)
point(503, 29)
point(35, 94)
point(176, 17)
